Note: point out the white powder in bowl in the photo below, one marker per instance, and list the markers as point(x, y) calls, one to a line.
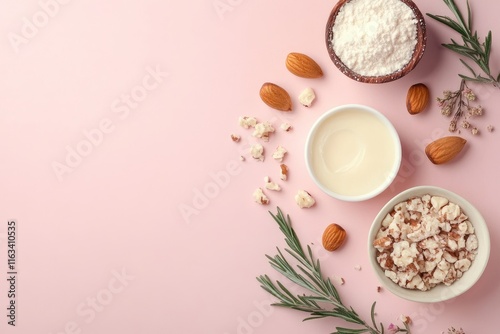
point(375, 37)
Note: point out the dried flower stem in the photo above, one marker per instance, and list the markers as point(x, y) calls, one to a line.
point(458, 104)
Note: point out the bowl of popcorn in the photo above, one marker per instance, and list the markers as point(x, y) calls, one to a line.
point(428, 244)
point(353, 152)
point(375, 41)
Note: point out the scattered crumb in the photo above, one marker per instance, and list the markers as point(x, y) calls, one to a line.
point(247, 122)
point(279, 153)
point(242, 158)
point(338, 280)
point(283, 172)
point(235, 138)
point(304, 199)
point(286, 127)
point(490, 128)
point(379, 288)
point(271, 185)
point(257, 152)
point(306, 97)
point(260, 197)
point(263, 130)
point(357, 267)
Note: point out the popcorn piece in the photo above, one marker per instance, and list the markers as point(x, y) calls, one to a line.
point(285, 127)
point(339, 280)
point(463, 265)
point(306, 97)
point(304, 199)
point(271, 185)
point(403, 253)
point(279, 153)
point(247, 122)
point(438, 202)
point(260, 197)
point(450, 211)
point(383, 243)
point(471, 243)
point(263, 130)
point(283, 172)
point(235, 138)
point(257, 151)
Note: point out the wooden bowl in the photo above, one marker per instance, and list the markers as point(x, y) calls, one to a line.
point(418, 52)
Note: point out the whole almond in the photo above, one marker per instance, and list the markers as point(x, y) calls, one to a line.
point(275, 97)
point(417, 98)
point(333, 237)
point(444, 149)
point(303, 66)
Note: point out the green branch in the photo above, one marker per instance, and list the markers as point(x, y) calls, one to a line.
point(323, 299)
point(470, 47)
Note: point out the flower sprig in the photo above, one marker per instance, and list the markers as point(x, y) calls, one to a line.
point(471, 46)
point(323, 299)
point(459, 105)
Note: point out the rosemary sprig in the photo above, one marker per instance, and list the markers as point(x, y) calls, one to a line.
point(471, 47)
point(324, 299)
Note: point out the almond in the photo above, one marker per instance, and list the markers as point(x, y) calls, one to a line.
point(333, 237)
point(275, 97)
point(303, 66)
point(444, 149)
point(417, 98)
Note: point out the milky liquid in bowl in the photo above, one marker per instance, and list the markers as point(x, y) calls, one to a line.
point(353, 152)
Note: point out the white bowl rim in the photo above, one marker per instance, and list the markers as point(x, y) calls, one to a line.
point(394, 135)
point(441, 292)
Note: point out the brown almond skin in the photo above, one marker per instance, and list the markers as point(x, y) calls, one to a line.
point(275, 97)
point(303, 66)
point(444, 149)
point(333, 237)
point(417, 98)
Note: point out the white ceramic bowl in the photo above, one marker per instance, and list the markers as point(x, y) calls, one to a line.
point(353, 152)
point(440, 292)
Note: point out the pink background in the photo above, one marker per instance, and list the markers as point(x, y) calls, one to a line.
point(103, 246)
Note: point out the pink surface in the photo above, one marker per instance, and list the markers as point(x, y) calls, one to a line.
point(150, 92)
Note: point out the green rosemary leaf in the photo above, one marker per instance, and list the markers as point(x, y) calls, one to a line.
point(286, 292)
point(468, 67)
point(467, 78)
point(311, 257)
point(454, 9)
point(460, 49)
point(341, 330)
point(372, 315)
point(487, 48)
point(474, 43)
point(449, 22)
point(332, 290)
point(469, 16)
point(268, 286)
point(318, 283)
point(313, 318)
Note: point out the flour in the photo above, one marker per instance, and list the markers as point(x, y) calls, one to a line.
point(375, 37)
